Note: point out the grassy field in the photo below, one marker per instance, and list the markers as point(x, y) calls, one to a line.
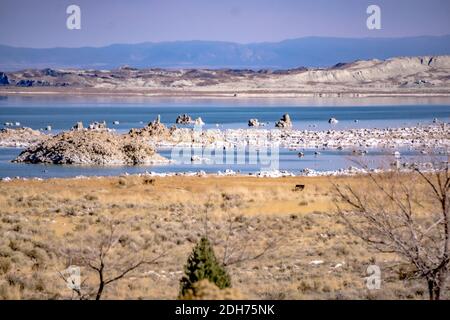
point(308, 252)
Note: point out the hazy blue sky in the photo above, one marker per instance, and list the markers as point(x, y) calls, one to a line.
point(42, 23)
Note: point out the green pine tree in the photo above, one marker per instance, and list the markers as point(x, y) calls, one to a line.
point(203, 264)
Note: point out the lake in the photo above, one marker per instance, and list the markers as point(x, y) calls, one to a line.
point(61, 113)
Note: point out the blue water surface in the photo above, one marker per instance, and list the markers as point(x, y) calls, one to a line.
point(61, 113)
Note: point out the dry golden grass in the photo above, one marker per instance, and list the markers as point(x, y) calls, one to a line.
point(40, 218)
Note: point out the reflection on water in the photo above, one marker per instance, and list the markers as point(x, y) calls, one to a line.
point(62, 114)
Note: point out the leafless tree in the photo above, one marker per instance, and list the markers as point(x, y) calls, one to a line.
point(105, 260)
point(406, 214)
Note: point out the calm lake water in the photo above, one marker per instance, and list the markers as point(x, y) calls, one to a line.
point(63, 113)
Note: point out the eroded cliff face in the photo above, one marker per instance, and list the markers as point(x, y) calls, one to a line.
point(428, 73)
point(396, 69)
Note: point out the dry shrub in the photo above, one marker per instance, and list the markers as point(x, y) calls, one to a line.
point(9, 292)
point(5, 265)
point(205, 290)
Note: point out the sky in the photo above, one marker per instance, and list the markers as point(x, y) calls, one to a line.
point(42, 23)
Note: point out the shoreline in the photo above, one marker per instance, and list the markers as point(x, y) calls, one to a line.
point(351, 171)
point(421, 76)
point(235, 95)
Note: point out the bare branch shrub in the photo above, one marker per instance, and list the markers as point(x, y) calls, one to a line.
point(106, 258)
point(405, 214)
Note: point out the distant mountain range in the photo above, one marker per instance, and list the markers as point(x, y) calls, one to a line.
point(308, 52)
